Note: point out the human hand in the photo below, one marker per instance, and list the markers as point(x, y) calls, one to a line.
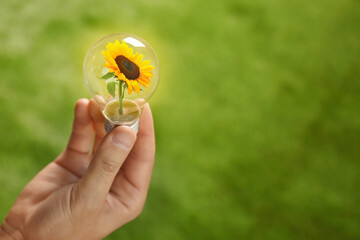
point(86, 194)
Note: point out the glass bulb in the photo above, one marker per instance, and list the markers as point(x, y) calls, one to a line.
point(121, 72)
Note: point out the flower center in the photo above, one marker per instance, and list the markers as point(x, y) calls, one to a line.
point(127, 67)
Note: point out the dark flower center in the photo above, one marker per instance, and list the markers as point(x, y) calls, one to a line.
point(127, 67)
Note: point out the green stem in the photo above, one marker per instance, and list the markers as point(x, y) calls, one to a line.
point(121, 96)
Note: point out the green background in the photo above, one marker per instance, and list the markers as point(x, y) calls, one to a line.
point(257, 113)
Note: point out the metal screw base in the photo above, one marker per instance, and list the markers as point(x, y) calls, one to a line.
point(110, 126)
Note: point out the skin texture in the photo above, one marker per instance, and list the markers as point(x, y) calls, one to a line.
point(92, 188)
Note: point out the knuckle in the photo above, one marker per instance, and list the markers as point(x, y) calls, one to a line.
point(81, 202)
point(91, 206)
point(79, 103)
point(108, 165)
point(136, 210)
point(139, 210)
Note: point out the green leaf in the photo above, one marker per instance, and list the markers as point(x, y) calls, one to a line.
point(111, 86)
point(108, 75)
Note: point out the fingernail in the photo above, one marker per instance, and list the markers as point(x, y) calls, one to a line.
point(123, 139)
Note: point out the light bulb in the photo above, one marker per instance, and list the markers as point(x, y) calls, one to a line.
point(121, 72)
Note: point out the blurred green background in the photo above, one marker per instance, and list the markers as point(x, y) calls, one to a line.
point(257, 114)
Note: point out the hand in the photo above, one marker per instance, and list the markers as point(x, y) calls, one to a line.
point(84, 194)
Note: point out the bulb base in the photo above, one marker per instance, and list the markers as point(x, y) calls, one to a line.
point(110, 126)
point(129, 116)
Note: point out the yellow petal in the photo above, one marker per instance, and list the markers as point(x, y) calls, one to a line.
point(109, 59)
point(117, 44)
point(136, 86)
point(145, 80)
point(129, 86)
point(118, 73)
point(147, 68)
point(110, 65)
point(111, 50)
point(129, 53)
point(142, 83)
point(121, 76)
point(124, 45)
point(147, 75)
point(105, 53)
point(140, 57)
point(134, 57)
point(144, 63)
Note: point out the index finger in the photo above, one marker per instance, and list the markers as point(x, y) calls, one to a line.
point(98, 123)
point(137, 168)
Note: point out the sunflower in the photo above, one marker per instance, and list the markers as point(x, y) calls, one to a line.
point(126, 66)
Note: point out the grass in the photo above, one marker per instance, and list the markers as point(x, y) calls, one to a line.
point(257, 113)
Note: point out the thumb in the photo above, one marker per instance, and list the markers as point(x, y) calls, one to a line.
point(104, 166)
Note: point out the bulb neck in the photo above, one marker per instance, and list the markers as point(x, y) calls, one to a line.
point(110, 126)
